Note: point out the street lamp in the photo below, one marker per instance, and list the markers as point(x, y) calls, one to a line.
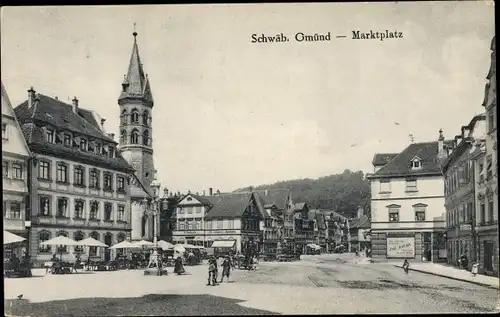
point(154, 211)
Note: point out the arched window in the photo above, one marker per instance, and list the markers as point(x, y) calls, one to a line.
point(43, 236)
point(62, 248)
point(123, 136)
point(93, 250)
point(135, 116)
point(145, 138)
point(134, 137)
point(77, 236)
point(145, 117)
point(144, 221)
point(124, 117)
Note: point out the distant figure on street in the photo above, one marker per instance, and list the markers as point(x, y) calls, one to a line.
point(464, 261)
point(226, 268)
point(406, 266)
point(178, 267)
point(475, 268)
point(212, 271)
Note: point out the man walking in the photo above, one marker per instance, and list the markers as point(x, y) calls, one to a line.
point(226, 268)
point(212, 271)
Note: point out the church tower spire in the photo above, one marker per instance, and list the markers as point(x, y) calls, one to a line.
point(136, 105)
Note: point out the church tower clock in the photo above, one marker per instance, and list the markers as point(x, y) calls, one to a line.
point(136, 105)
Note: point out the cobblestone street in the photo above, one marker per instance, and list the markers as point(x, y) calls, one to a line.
point(325, 285)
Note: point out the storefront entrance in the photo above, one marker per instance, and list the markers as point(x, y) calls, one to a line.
point(488, 256)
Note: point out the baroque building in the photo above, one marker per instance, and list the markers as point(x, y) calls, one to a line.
point(136, 144)
point(78, 178)
point(15, 160)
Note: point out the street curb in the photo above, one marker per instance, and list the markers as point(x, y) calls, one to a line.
point(451, 277)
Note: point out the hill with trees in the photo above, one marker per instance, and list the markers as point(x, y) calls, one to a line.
point(342, 193)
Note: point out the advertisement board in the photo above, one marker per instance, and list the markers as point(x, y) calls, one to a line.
point(401, 247)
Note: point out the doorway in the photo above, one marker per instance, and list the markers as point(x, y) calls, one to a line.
point(107, 252)
point(488, 256)
point(427, 246)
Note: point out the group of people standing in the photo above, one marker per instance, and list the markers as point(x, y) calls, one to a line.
point(213, 269)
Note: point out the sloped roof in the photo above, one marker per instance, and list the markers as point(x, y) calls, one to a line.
point(277, 197)
point(361, 223)
point(8, 111)
point(136, 83)
point(382, 158)
point(230, 205)
point(400, 164)
point(202, 199)
point(299, 206)
point(59, 115)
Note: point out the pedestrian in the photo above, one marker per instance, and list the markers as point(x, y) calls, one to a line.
point(226, 268)
point(178, 268)
point(212, 271)
point(406, 266)
point(475, 268)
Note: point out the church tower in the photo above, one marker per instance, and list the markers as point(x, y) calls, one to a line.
point(136, 105)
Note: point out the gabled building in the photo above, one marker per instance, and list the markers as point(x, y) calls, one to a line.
point(303, 227)
point(407, 206)
point(78, 178)
point(336, 230)
point(15, 162)
point(318, 217)
point(359, 232)
point(136, 144)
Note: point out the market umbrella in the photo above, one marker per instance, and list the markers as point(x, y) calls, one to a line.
point(10, 238)
point(144, 244)
point(179, 248)
point(60, 241)
point(91, 242)
point(125, 245)
point(164, 245)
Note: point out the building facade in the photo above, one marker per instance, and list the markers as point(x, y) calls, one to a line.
point(78, 179)
point(190, 221)
point(360, 232)
point(15, 162)
point(407, 206)
point(336, 230)
point(136, 144)
point(460, 182)
point(303, 228)
point(487, 228)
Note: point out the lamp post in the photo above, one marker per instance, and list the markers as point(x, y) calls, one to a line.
point(154, 211)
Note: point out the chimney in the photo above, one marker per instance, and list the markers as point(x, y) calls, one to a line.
point(112, 136)
point(210, 191)
point(75, 105)
point(57, 98)
point(31, 97)
point(102, 124)
point(218, 192)
point(441, 150)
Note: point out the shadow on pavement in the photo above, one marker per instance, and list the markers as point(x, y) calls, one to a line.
point(152, 304)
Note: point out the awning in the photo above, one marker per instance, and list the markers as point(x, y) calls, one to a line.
point(9, 238)
point(223, 244)
point(313, 246)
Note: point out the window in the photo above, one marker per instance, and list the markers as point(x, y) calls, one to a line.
point(208, 224)
point(5, 135)
point(491, 120)
point(411, 184)
point(108, 181)
point(121, 213)
point(219, 224)
point(17, 171)
point(416, 164)
point(120, 183)
point(79, 208)
point(145, 117)
point(94, 210)
point(134, 137)
point(98, 148)
point(385, 186)
point(49, 136)
point(90, 147)
point(62, 207)
point(77, 236)
point(490, 211)
point(231, 224)
point(469, 212)
point(15, 210)
point(111, 152)
point(5, 169)
point(419, 213)
point(67, 140)
point(123, 136)
point(189, 210)
point(489, 167)
point(481, 172)
point(108, 211)
point(44, 170)
point(145, 138)
point(79, 176)
point(62, 173)
point(135, 116)
point(190, 225)
point(393, 214)
point(83, 145)
point(182, 225)
point(123, 117)
point(43, 236)
point(94, 178)
point(482, 216)
point(198, 225)
point(93, 250)
point(180, 210)
point(44, 205)
point(62, 248)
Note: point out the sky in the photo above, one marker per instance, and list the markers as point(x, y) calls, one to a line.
point(229, 113)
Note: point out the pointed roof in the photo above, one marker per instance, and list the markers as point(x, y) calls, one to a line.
point(231, 205)
point(136, 83)
point(8, 112)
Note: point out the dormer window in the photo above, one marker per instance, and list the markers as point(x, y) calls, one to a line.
point(83, 145)
point(111, 152)
point(50, 136)
point(416, 163)
point(67, 139)
point(98, 148)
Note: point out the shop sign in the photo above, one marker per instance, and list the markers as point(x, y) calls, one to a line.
point(401, 247)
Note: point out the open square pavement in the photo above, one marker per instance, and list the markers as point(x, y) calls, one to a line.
point(325, 284)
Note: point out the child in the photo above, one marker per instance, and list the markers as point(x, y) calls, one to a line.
point(406, 266)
